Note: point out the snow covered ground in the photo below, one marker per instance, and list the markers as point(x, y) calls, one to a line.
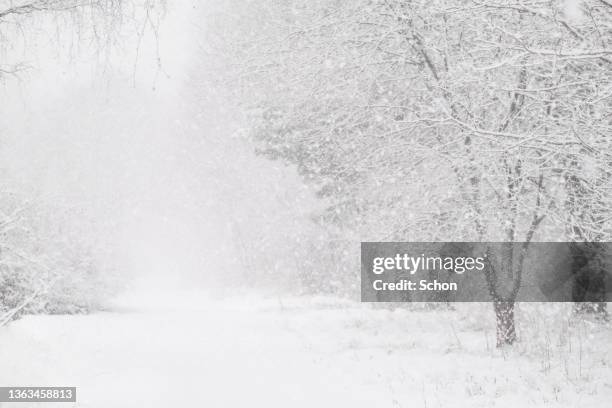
point(307, 352)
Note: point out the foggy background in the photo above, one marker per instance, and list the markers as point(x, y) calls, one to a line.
point(130, 144)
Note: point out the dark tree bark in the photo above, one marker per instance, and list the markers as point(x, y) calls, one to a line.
point(505, 325)
point(589, 286)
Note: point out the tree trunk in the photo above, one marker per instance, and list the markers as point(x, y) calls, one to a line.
point(589, 284)
point(506, 328)
point(589, 287)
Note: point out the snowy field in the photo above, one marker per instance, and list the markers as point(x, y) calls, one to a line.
point(307, 352)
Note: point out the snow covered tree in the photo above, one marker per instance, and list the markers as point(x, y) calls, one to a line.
point(440, 120)
point(67, 28)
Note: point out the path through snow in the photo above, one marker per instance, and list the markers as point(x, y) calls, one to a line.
point(292, 353)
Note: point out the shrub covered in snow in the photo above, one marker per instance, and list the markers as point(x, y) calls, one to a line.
point(47, 263)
